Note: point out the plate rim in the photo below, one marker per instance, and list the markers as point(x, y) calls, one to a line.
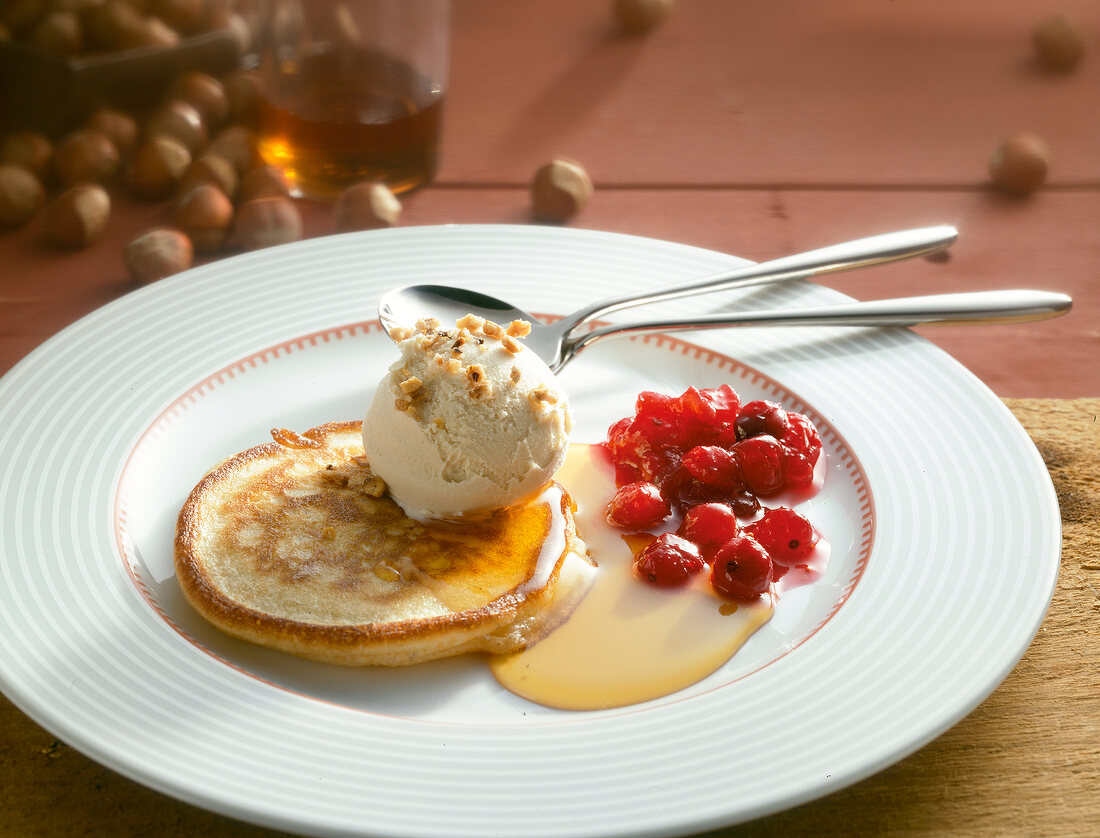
point(116, 762)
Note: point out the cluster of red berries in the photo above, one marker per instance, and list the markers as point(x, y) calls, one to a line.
point(711, 458)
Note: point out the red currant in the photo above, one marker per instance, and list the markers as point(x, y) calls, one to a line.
point(744, 504)
point(761, 464)
point(741, 569)
point(785, 534)
point(709, 415)
point(636, 454)
point(802, 437)
point(637, 505)
point(798, 469)
point(669, 561)
point(714, 466)
point(708, 526)
point(657, 418)
point(762, 417)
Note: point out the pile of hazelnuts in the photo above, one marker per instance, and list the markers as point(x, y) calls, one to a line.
point(80, 28)
point(196, 149)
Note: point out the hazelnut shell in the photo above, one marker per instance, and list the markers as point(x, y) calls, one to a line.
point(205, 214)
point(366, 206)
point(560, 190)
point(76, 217)
point(264, 222)
point(21, 195)
point(1019, 165)
point(157, 254)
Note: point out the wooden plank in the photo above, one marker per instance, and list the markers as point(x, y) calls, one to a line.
point(1045, 242)
point(779, 92)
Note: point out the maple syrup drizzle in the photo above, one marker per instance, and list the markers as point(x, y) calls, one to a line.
point(626, 642)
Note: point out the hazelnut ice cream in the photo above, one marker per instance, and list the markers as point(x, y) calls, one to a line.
point(466, 421)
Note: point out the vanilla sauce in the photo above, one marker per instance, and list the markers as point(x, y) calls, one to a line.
point(626, 641)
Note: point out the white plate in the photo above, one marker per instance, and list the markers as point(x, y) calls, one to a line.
point(943, 523)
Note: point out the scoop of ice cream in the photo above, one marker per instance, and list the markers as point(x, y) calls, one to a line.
point(467, 420)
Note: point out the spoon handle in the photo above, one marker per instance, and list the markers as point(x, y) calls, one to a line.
point(860, 253)
point(965, 308)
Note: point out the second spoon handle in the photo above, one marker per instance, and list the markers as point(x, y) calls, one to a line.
point(859, 253)
point(973, 307)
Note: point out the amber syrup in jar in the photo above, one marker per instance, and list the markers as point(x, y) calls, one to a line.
point(349, 114)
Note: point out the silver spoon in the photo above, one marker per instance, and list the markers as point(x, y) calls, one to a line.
point(552, 342)
point(557, 343)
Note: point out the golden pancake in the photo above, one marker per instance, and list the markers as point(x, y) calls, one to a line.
point(293, 545)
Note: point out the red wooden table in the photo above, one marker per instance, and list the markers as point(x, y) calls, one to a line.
point(758, 129)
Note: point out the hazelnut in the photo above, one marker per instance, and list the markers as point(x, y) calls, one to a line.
point(237, 145)
point(77, 217)
point(1020, 164)
point(20, 15)
point(638, 16)
point(263, 222)
point(112, 25)
point(119, 127)
point(226, 20)
point(58, 33)
point(560, 189)
point(157, 254)
point(157, 167)
point(28, 149)
point(1059, 43)
point(210, 168)
point(366, 206)
point(205, 94)
point(21, 195)
point(204, 214)
point(263, 182)
point(242, 88)
point(152, 33)
point(180, 121)
point(85, 156)
point(182, 15)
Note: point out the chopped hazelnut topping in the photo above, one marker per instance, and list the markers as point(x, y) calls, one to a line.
point(355, 474)
point(475, 373)
point(511, 346)
point(481, 391)
point(492, 330)
point(410, 385)
point(400, 333)
point(427, 324)
point(402, 403)
point(439, 423)
point(515, 375)
point(471, 322)
point(293, 439)
point(453, 366)
point(456, 347)
point(519, 328)
point(542, 398)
